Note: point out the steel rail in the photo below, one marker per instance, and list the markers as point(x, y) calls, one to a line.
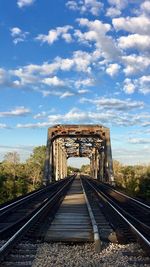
point(126, 196)
point(5, 248)
point(27, 197)
point(97, 239)
point(21, 220)
point(134, 229)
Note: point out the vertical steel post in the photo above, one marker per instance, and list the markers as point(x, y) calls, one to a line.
point(109, 162)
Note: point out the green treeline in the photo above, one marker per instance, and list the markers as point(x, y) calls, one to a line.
point(134, 180)
point(17, 178)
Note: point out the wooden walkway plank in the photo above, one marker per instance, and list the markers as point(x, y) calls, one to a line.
point(72, 221)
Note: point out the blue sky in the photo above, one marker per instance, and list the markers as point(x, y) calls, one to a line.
point(80, 62)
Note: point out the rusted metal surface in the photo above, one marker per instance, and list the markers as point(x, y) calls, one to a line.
point(65, 141)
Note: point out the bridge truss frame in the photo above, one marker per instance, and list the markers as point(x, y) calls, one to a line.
point(92, 141)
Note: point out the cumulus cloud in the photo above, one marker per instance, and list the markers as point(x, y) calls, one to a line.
point(137, 41)
point(120, 4)
point(116, 7)
point(32, 74)
point(106, 117)
point(19, 111)
point(43, 77)
point(113, 12)
point(97, 34)
point(18, 35)
point(85, 6)
point(140, 25)
point(114, 103)
point(22, 3)
point(85, 82)
point(145, 6)
point(54, 34)
point(54, 81)
point(73, 116)
point(129, 87)
point(142, 85)
point(135, 64)
point(113, 69)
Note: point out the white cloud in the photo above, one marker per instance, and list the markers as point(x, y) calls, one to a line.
point(116, 7)
point(107, 117)
point(141, 84)
point(85, 6)
point(83, 91)
point(54, 81)
point(22, 3)
point(137, 41)
point(85, 82)
point(113, 69)
point(3, 76)
point(40, 115)
point(139, 141)
point(97, 34)
point(3, 126)
point(67, 94)
point(113, 12)
point(145, 6)
point(24, 76)
point(19, 111)
point(18, 35)
point(130, 156)
point(54, 34)
point(17, 147)
point(146, 124)
point(15, 31)
point(114, 103)
point(33, 125)
point(120, 4)
point(32, 74)
point(135, 63)
point(129, 87)
point(140, 25)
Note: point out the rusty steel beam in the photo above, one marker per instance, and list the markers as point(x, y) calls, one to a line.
point(92, 141)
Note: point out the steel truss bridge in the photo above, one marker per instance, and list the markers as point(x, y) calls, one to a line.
point(91, 141)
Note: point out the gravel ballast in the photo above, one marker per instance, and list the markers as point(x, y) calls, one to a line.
point(84, 255)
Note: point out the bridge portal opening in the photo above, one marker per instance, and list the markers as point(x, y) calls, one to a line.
point(79, 163)
point(78, 141)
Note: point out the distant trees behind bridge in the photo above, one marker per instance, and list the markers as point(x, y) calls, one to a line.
point(18, 178)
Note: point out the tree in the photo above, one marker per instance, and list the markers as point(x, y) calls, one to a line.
point(144, 186)
point(35, 166)
point(10, 166)
point(71, 170)
point(85, 169)
point(12, 157)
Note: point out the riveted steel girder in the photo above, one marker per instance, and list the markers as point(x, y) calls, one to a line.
point(92, 141)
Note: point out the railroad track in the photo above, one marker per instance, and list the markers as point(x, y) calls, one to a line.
point(23, 217)
point(73, 210)
point(72, 222)
point(129, 217)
